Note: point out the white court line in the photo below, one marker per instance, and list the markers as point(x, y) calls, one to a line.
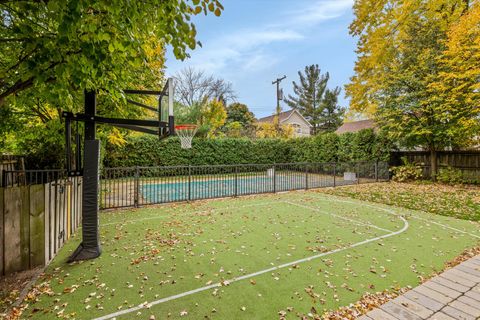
point(289, 264)
point(192, 213)
point(411, 215)
point(360, 223)
point(445, 226)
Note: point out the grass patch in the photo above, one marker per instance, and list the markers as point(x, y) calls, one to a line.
point(461, 202)
point(158, 252)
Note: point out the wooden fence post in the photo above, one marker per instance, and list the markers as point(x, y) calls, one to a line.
point(37, 225)
point(12, 244)
point(2, 237)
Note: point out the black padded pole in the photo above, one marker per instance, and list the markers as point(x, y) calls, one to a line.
point(90, 246)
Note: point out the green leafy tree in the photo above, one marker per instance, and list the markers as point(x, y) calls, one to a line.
point(70, 44)
point(233, 129)
point(410, 74)
point(213, 115)
point(315, 101)
point(53, 50)
point(209, 115)
point(238, 112)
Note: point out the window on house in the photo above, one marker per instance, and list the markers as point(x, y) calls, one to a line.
point(297, 127)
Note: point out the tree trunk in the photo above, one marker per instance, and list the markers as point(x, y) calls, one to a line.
point(433, 164)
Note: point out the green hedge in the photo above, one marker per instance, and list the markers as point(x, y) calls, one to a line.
point(149, 151)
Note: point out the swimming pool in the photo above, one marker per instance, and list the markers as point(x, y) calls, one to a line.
point(218, 188)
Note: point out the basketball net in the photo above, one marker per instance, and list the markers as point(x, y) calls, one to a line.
point(186, 132)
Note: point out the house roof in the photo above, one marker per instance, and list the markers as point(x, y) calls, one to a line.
point(356, 126)
point(283, 116)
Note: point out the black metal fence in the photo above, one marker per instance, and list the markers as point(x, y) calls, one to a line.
point(137, 186)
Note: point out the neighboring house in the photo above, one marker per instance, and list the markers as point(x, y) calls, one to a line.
point(301, 126)
point(356, 126)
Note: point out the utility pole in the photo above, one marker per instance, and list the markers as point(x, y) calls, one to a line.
point(277, 121)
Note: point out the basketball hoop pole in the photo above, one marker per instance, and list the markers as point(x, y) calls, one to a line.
point(171, 123)
point(89, 248)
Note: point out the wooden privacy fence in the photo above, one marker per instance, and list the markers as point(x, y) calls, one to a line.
point(466, 161)
point(10, 163)
point(39, 211)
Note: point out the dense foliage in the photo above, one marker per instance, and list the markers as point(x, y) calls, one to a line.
point(417, 70)
point(407, 172)
point(451, 175)
point(149, 151)
point(239, 112)
point(52, 50)
point(64, 46)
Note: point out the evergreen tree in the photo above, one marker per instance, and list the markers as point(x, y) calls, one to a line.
point(315, 101)
point(331, 114)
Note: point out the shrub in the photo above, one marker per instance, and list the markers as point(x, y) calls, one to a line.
point(141, 150)
point(450, 175)
point(408, 172)
point(149, 151)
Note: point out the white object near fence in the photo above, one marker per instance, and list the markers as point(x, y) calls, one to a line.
point(349, 176)
point(270, 172)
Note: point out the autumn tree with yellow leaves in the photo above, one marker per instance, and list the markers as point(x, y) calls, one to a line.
point(417, 71)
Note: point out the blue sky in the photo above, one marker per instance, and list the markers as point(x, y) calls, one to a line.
point(256, 41)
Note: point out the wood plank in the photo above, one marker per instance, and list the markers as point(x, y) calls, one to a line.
point(25, 227)
point(423, 300)
point(442, 289)
point(68, 209)
point(379, 314)
point(459, 280)
point(470, 302)
point(441, 316)
point(2, 238)
point(450, 284)
point(37, 225)
point(12, 210)
point(47, 222)
point(399, 311)
point(457, 314)
point(54, 210)
point(466, 273)
point(414, 307)
point(461, 305)
point(432, 294)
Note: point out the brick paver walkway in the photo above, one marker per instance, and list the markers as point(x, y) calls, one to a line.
point(454, 294)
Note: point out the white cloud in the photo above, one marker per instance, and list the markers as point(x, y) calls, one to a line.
point(249, 50)
point(320, 11)
point(244, 48)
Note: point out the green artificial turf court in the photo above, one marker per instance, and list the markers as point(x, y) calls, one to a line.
point(248, 258)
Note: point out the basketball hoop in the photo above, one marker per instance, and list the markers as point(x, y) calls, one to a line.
point(186, 132)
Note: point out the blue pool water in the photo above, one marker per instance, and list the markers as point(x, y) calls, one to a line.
point(204, 189)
